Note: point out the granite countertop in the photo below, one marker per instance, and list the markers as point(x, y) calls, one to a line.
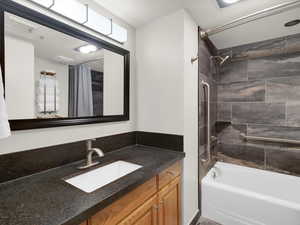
point(46, 199)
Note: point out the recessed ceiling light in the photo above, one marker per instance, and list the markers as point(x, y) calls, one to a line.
point(225, 3)
point(86, 49)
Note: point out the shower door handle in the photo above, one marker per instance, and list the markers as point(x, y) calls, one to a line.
point(208, 151)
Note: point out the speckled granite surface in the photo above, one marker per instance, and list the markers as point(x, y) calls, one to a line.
point(46, 199)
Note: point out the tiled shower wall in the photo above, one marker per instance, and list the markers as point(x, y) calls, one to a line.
point(259, 95)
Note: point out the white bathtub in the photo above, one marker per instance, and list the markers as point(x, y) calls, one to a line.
point(245, 196)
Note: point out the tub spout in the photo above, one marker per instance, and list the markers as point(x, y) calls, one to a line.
point(214, 172)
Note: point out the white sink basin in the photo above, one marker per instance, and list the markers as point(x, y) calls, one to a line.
point(95, 179)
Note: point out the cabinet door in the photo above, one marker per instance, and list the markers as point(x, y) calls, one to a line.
point(123, 207)
point(144, 215)
point(170, 204)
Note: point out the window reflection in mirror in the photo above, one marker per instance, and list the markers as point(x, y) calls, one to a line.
point(49, 74)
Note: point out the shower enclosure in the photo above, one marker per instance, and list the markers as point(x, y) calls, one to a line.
point(253, 112)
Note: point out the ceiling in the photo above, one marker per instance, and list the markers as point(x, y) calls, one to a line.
point(140, 12)
point(50, 44)
point(207, 14)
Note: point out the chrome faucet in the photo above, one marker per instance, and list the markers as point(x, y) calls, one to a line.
point(90, 152)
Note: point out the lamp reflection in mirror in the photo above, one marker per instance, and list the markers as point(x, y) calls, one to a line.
point(86, 49)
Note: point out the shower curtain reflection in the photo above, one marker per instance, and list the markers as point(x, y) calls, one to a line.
point(80, 91)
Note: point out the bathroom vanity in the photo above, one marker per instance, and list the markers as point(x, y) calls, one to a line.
point(149, 195)
point(155, 202)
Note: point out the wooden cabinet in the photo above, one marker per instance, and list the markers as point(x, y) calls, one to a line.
point(144, 215)
point(156, 202)
point(121, 208)
point(170, 204)
point(169, 174)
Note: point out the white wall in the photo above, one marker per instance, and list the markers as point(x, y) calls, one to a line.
point(167, 91)
point(160, 75)
point(30, 139)
point(62, 76)
point(190, 171)
point(19, 79)
point(113, 84)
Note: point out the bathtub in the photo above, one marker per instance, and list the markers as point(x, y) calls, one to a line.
point(237, 195)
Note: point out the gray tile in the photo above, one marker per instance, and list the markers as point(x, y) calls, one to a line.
point(293, 43)
point(227, 159)
point(252, 91)
point(233, 72)
point(293, 114)
point(277, 43)
point(205, 64)
point(202, 136)
point(231, 134)
point(283, 89)
point(221, 125)
point(213, 129)
point(284, 160)
point(259, 113)
point(201, 150)
point(202, 114)
point(214, 93)
point(224, 111)
point(274, 131)
point(257, 49)
point(274, 67)
point(213, 113)
point(243, 152)
point(215, 69)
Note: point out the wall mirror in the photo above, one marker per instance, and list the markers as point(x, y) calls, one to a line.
point(56, 75)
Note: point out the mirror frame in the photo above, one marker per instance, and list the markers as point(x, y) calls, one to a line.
point(27, 13)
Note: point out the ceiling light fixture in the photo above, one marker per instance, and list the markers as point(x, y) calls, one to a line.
point(225, 3)
point(86, 49)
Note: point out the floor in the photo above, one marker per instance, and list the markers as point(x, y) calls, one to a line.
point(204, 221)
